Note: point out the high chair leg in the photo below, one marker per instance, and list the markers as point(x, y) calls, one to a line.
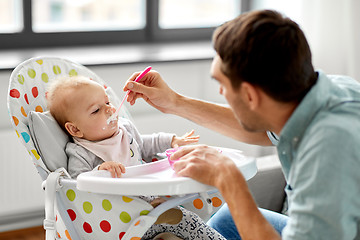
point(51, 185)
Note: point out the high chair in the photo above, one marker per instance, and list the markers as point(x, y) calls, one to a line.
point(96, 206)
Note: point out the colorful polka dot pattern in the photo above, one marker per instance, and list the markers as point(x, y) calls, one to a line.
point(200, 205)
point(108, 215)
point(215, 202)
point(95, 217)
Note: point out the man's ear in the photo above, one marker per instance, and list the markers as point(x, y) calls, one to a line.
point(251, 95)
point(73, 130)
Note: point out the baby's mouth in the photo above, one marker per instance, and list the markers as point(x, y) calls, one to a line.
point(112, 120)
point(113, 117)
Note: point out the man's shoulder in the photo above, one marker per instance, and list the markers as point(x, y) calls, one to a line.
point(340, 106)
point(339, 121)
point(346, 88)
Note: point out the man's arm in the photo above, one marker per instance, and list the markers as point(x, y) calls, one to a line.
point(249, 221)
point(153, 89)
point(219, 118)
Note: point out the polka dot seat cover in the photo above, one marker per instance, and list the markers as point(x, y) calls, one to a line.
point(92, 216)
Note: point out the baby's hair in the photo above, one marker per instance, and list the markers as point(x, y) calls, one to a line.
point(58, 96)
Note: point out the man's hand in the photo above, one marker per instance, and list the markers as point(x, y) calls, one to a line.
point(153, 89)
point(115, 168)
point(202, 163)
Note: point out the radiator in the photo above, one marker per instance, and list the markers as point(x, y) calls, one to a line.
point(21, 195)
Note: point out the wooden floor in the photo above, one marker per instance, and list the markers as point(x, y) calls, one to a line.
point(35, 233)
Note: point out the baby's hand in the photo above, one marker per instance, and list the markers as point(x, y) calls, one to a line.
point(187, 138)
point(115, 168)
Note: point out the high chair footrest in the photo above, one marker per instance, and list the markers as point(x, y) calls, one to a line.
point(49, 224)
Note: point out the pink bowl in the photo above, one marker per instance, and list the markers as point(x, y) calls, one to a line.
point(168, 153)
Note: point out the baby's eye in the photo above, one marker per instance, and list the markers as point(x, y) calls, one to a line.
point(94, 112)
point(108, 103)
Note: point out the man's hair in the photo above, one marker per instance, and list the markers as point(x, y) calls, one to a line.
point(58, 101)
point(268, 50)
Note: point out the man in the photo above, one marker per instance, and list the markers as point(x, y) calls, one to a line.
point(263, 65)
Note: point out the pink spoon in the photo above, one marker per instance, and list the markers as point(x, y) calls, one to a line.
point(140, 76)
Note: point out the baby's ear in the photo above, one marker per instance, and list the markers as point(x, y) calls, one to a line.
point(73, 130)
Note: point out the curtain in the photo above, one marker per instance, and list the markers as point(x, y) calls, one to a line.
point(332, 29)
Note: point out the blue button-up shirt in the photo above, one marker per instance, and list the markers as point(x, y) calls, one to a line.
point(319, 149)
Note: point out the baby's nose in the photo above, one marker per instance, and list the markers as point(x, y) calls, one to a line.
point(110, 109)
point(113, 109)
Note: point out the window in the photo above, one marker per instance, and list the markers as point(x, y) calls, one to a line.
point(292, 9)
point(46, 23)
point(202, 13)
point(10, 16)
point(87, 15)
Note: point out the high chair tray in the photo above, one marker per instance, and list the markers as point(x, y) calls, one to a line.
point(156, 178)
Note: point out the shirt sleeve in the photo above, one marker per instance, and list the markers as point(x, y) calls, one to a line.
point(149, 144)
point(80, 160)
point(155, 143)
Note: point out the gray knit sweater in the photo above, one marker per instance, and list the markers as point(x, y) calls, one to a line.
point(144, 147)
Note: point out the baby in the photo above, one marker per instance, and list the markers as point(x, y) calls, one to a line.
point(82, 107)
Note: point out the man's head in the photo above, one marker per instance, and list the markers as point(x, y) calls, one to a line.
point(81, 107)
point(266, 50)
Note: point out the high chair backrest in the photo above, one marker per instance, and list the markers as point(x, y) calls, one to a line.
point(27, 89)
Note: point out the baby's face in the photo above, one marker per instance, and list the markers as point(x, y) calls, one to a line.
point(90, 112)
